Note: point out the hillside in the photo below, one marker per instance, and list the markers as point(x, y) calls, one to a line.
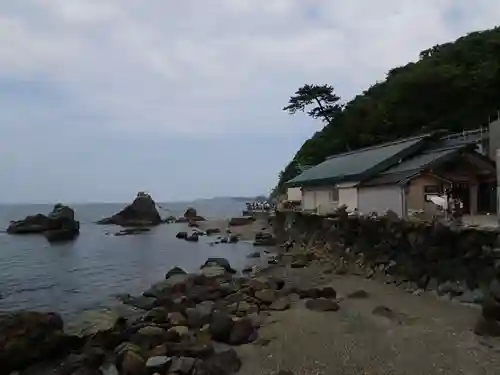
point(453, 86)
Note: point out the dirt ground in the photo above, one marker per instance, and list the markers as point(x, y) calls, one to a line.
point(424, 335)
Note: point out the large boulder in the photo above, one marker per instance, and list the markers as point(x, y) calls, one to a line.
point(141, 212)
point(27, 337)
point(59, 225)
point(191, 216)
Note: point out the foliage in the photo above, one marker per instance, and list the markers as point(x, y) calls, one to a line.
point(453, 86)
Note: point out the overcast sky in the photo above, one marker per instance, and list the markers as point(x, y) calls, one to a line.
point(100, 99)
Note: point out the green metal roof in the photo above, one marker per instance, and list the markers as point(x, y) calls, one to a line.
point(414, 165)
point(358, 165)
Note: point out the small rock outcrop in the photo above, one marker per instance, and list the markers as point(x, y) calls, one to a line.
point(141, 212)
point(60, 225)
point(190, 216)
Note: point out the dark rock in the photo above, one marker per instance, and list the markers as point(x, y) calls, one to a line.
point(200, 315)
point(280, 304)
point(358, 294)
point(233, 239)
point(239, 221)
point(327, 292)
point(158, 363)
point(220, 326)
point(495, 289)
point(175, 271)
point(241, 332)
point(182, 365)
point(491, 309)
point(266, 296)
point(486, 327)
point(193, 238)
point(132, 363)
point(59, 226)
point(322, 304)
point(130, 231)
point(211, 231)
point(224, 360)
point(192, 216)
point(182, 235)
point(221, 262)
point(157, 315)
point(176, 318)
point(26, 337)
point(141, 212)
point(193, 224)
point(141, 302)
point(308, 293)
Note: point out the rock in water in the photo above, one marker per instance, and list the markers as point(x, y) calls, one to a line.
point(142, 212)
point(191, 216)
point(26, 337)
point(59, 225)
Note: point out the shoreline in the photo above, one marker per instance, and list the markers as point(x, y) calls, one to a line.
point(352, 338)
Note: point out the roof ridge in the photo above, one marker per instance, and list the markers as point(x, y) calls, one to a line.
point(381, 145)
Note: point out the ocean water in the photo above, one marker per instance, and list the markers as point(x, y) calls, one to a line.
point(88, 273)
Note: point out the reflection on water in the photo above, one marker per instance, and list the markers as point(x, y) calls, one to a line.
point(87, 273)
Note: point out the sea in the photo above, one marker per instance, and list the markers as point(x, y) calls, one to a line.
point(89, 273)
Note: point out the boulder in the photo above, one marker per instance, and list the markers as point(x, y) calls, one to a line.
point(175, 271)
point(141, 212)
point(182, 235)
point(193, 238)
point(239, 221)
point(242, 332)
point(26, 337)
point(224, 360)
point(60, 225)
point(192, 216)
point(280, 304)
point(221, 262)
point(220, 326)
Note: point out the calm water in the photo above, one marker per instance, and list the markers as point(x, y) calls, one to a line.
point(89, 272)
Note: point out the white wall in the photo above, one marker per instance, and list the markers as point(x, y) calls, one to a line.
point(318, 199)
point(379, 199)
point(294, 194)
point(348, 196)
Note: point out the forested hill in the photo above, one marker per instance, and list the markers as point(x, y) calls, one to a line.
point(453, 86)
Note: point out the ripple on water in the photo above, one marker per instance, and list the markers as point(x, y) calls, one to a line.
point(88, 273)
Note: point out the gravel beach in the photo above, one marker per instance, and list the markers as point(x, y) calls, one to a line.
point(419, 335)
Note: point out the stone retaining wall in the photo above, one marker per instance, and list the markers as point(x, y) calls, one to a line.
point(424, 255)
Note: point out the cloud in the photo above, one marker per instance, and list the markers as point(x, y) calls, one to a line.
point(78, 69)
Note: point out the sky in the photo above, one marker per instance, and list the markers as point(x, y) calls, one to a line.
point(100, 99)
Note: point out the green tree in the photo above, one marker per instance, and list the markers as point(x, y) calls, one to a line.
point(322, 98)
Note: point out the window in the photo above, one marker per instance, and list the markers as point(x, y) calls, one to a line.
point(334, 195)
point(433, 189)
